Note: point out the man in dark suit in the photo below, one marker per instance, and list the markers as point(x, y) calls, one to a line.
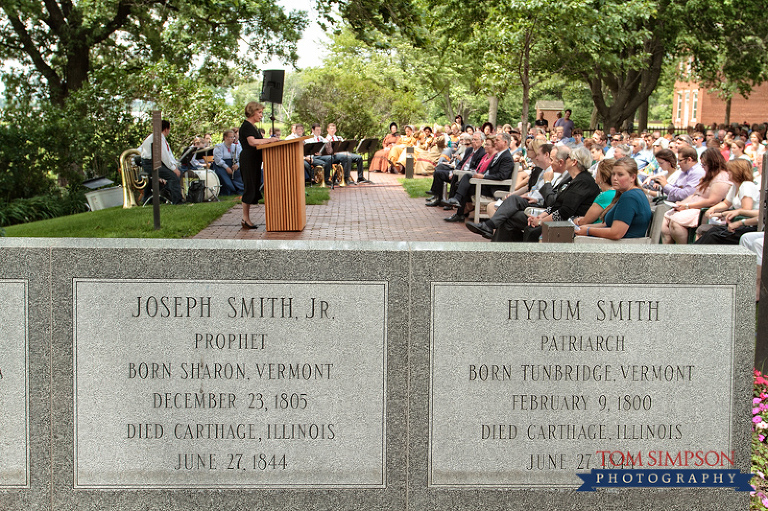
point(501, 168)
point(444, 173)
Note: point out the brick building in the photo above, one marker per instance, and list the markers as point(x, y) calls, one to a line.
point(693, 104)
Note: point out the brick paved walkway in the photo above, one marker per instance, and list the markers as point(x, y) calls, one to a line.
point(381, 211)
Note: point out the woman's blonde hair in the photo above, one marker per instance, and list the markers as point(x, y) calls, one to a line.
point(252, 107)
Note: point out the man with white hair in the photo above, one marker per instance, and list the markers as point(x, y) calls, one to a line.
point(640, 153)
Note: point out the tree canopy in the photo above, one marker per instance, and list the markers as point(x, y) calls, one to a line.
point(63, 40)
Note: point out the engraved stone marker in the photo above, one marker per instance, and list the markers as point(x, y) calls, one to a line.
point(14, 466)
point(547, 380)
point(229, 384)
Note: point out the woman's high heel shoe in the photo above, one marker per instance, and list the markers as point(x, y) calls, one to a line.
point(246, 225)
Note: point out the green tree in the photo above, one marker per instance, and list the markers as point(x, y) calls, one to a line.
point(62, 40)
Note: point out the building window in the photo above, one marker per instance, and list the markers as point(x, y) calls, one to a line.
point(679, 105)
point(695, 107)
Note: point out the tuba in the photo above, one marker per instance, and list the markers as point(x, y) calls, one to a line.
point(133, 182)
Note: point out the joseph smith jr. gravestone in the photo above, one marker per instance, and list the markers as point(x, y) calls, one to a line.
point(212, 384)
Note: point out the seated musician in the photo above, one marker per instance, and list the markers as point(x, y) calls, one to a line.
point(317, 158)
point(346, 159)
point(169, 169)
point(226, 157)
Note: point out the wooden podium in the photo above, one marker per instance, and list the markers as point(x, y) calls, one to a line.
point(284, 197)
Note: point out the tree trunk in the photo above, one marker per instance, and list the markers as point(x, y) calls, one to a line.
point(78, 65)
point(728, 111)
point(642, 116)
point(493, 109)
point(448, 108)
point(526, 105)
point(593, 118)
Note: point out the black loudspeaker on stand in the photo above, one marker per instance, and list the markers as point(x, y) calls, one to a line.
point(272, 90)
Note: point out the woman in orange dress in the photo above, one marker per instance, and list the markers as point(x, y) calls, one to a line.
point(380, 161)
point(407, 140)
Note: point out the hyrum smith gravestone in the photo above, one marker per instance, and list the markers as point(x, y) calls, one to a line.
point(229, 384)
point(573, 378)
point(14, 426)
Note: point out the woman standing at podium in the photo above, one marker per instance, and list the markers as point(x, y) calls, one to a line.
point(250, 159)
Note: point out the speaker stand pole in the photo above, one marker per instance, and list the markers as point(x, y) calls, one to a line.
point(272, 117)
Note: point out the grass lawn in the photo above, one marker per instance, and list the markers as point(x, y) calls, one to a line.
point(416, 187)
point(181, 221)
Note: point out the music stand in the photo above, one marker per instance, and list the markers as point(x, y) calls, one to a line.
point(368, 146)
point(347, 146)
point(312, 148)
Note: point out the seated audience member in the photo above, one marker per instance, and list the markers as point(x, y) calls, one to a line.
point(743, 199)
point(578, 138)
point(620, 151)
point(560, 137)
point(572, 197)
point(346, 159)
point(324, 161)
point(169, 170)
point(470, 130)
point(425, 159)
point(488, 128)
point(600, 139)
point(737, 150)
point(225, 164)
point(755, 150)
point(408, 140)
point(603, 178)
point(459, 121)
point(688, 178)
point(629, 214)
point(274, 133)
point(666, 163)
point(500, 169)
point(518, 156)
point(640, 154)
point(455, 133)
point(444, 172)
point(712, 188)
point(380, 161)
point(616, 139)
point(597, 154)
point(541, 159)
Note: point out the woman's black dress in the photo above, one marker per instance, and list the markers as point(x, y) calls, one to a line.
point(250, 164)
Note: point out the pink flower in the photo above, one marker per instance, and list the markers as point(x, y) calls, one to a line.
point(761, 438)
point(755, 400)
point(755, 410)
point(765, 501)
point(757, 419)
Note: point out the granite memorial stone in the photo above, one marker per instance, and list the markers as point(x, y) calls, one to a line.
point(14, 386)
point(230, 384)
point(573, 378)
